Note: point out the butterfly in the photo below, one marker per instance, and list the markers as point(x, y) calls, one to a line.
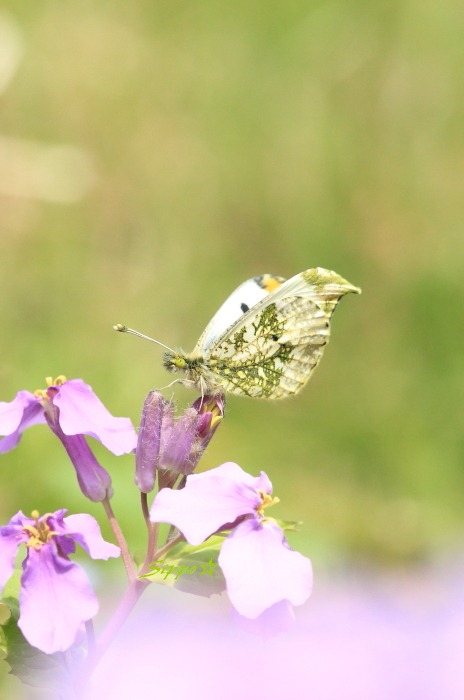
point(266, 339)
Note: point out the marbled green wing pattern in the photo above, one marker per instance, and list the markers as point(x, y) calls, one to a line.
point(272, 350)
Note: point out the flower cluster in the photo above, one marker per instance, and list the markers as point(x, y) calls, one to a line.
point(56, 596)
point(259, 566)
point(260, 569)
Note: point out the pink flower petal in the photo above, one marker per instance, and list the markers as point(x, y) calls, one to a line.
point(85, 530)
point(11, 412)
point(236, 473)
point(56, 598)
point(274, 620)
point(11, 536)
point(17, 415)
point(208, 501)
point(261, 569)
point(82, 412)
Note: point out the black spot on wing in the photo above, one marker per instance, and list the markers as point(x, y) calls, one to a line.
point(244, 308)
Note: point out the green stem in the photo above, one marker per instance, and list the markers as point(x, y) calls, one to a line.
point(160, 552)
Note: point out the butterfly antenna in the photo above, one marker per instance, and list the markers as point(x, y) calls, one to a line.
point(124, 329)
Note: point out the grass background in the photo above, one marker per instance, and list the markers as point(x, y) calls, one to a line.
point(212, 142)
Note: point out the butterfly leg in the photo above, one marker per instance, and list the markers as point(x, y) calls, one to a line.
point(184, 382)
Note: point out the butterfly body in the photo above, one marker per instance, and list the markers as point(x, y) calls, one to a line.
point(267, 337)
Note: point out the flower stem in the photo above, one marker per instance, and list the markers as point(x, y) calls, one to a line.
point(153, 529)
point(160, 552)
point(145, 510)
point(126, 557)
point(123, 610)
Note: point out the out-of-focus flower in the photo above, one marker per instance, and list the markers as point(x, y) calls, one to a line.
point(259, 566)
point(383, 635)
point(174, 446)
point(72, 410)
point(56, 596)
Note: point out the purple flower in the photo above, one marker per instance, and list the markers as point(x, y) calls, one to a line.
point(72, 410)
point(174, 446)
point(80, 412)
point(260, 567)
point(56, 596)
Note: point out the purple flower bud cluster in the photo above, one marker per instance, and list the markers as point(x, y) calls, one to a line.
point(169, 445)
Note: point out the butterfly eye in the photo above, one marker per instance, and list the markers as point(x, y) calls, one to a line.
point(179, 362)
point(173, 361)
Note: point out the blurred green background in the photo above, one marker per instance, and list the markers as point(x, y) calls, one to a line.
point(153, 155)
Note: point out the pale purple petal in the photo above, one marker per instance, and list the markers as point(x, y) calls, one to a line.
point(94, 480)
point(66, 545)
point(261, 569)
point(57, 517)
point(85, 530)
point(231, 470)
point(55, 522)
point(208, 501)
point(82, 412)
point(56, 598)
point(17, 415)
point(274, 620)
point(11, 536)
point(11, 412)
point(18, 521)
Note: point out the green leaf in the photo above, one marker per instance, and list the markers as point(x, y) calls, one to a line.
point(193, 569)
point(5, 613)
point(289, 525)
point(11, 591)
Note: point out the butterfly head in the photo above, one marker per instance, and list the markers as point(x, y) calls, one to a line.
point(192, 367)
point(175, 362)
point(179, 362)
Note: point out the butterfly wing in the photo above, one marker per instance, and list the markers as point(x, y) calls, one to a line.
point(235, 306)
point(272, 349)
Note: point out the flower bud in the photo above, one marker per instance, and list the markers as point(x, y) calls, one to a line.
point(149, 441)
point(173, 446)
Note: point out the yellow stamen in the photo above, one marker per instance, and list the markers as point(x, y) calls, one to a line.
point(216, 414)
point(266, 501)
point(55, 382)
point(215, 420)
point(210, 406)
point(40, 533)
point(42, 393)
